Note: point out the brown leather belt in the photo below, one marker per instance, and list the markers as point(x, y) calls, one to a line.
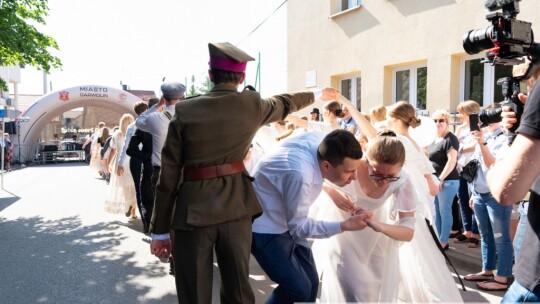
point(193, 174)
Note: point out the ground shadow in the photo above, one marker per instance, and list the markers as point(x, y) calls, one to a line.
point(9, 200)
point(37, 252)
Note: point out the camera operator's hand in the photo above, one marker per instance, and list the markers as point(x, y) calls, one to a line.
point(509, 116)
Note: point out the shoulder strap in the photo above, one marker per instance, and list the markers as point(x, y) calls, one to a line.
point(168, 114)
point(249, 88)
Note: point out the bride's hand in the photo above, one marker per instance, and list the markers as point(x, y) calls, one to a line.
point(374, 224)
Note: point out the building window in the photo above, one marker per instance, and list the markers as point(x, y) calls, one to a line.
point(410, 85)
point(479, 80)
point(351, 89)
point(348, 4)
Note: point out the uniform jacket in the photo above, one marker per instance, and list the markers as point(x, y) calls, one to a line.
point(144, 138)
point(212, 129)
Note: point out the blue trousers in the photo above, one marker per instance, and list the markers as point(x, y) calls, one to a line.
point(288, 264)
point(443, 208)
point(467, 214)
point(522, 224)
point(519, 294)
point(494, 223)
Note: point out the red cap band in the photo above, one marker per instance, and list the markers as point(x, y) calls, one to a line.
point(227, 64)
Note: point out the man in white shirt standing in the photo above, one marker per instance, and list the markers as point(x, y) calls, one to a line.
point(157, 123)
point(287, 182)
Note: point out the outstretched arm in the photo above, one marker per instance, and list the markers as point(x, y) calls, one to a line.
point(510, 178)
point(363, 124)
point(297, 121)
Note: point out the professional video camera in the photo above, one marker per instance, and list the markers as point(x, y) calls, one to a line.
point(508, 41)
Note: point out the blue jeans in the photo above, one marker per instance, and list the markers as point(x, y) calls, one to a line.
point(520, 230)
point(288, 264)
point(519, 294)
point(467, 214)
point(494, 223)
point(443, 208)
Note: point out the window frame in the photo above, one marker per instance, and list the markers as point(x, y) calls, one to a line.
point(488, 81)
point(355, 4)
point(413, 81)
point(354, 91)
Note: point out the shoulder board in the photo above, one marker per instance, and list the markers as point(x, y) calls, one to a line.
point(168, 114)
point(250, 88)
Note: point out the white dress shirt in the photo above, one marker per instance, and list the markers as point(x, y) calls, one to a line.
point(157, 124)
point(287, 182)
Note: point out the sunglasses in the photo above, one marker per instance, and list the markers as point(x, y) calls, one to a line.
point(439, 120)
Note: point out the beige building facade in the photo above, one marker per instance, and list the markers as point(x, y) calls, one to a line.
point(382, 51)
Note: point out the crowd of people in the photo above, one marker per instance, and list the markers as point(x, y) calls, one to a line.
point(341, 203)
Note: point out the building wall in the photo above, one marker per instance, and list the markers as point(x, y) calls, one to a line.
point(381, 35)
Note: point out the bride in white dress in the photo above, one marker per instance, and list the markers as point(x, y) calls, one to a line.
point(366, 266)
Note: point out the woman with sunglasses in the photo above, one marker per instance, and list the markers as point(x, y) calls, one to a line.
point(365, 266)
point(443, 155)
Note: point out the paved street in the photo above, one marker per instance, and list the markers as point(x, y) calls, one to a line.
point(59, 246)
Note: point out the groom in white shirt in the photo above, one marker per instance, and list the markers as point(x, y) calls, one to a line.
point(287, 182)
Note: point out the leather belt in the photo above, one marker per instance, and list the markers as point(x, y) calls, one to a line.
point(193, 174)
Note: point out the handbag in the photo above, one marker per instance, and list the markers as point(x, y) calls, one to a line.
point(469, 170)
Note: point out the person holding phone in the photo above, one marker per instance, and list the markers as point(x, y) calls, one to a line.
point(467, 143)
point(493, 218)
point(474, 123)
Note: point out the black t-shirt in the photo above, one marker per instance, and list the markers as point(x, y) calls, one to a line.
point(438, 155)
point(527, 268)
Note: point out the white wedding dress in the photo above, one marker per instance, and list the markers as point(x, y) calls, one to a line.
point(121, 194)
point(367, 266)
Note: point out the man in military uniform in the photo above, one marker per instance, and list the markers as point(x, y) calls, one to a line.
point(204, 193)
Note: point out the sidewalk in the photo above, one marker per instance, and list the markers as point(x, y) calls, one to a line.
point(463, 257)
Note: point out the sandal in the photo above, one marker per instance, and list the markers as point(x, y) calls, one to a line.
point(473, 243)
point(478, 277)
point(454, 234)
point(481, 285)
point(460, 239)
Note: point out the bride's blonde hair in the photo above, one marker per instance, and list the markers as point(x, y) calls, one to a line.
point(386, 148)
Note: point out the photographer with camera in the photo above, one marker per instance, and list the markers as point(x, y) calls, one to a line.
point(510, 179)
point(509, 41)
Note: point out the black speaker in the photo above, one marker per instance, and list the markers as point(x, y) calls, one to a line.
point(11, 128)
point(50, 148)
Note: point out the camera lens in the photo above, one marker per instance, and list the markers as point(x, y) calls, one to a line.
point(488, 117)
point(478, 40)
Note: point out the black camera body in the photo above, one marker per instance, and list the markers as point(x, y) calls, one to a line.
point(508, 41)
point(510, 90)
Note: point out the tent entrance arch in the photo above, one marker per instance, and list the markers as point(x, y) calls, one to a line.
point(34, 120)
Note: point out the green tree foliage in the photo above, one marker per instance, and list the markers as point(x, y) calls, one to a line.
point(192, 91)
point(202, 88)
point(20, 42)
point(421, 94)
point(205, 86)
